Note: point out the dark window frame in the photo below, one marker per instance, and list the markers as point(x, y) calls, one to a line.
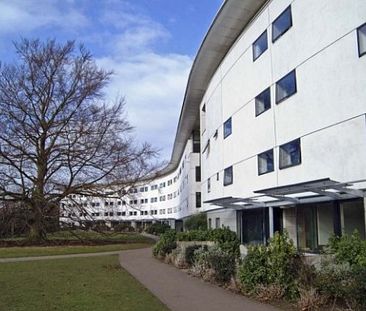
point(269, 171)
point(231, 128)
point(256, 41)
point(268, 89)
point(274, 39)
point(228, 169)
point(278, 101)
point(281, 167)
point(198, 200)
point(358, 41)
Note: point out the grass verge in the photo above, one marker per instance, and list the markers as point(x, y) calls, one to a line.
point(9, 252)
point(77, 284)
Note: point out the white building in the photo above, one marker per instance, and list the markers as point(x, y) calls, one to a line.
point(277, 93)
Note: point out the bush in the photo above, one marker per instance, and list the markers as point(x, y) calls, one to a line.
point(190, 253)
point(226, 239)
point(196, 222)
point(166, 244)
point(214, 264)
point(123, 228)
point(222, 263)
point(275, 264)
point(157, 228)
point(348, 248)
point(194, 235)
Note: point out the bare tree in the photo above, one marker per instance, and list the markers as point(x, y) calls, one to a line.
point(58, 136)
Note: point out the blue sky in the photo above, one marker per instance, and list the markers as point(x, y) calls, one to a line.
point(149, 44)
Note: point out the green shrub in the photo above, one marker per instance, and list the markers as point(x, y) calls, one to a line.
point(342, 276)
point(196, 222)
point(275, 264)
point(190, 253)
point(123, 228)
point(166, 244)
point(157, 228)
point(214, 263)
point(194, 235)
point(226, 239)
point(222, 263)
point(349, 248)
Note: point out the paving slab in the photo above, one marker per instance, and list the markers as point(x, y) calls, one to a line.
point(180, 291)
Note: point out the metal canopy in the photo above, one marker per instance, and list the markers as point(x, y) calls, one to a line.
point(320, 190)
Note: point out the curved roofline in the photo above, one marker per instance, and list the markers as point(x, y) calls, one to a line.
point(230, 21)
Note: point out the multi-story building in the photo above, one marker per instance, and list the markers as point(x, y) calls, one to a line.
point(277, 93)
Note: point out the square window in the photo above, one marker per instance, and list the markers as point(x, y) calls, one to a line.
point(263, 102)
point(361, 39)
point(260, 45)
point(228, 176)
point(281, 24)
point(290, 154)
point(227, 128)
point(265, 162)
point(286, 87)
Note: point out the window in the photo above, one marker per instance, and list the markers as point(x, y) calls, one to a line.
point(209, 185)
point(228, 176)
point(209, 223)
point(361, 39)
point(265, 162)
point(217, 176)
point(119, 214)
point(260, 45)
point(286, 87)
point(198, 173)
point(170, 182)
point(198, 199)
point(142, 189)
point(154, 187)
point(281, 24)
point(227, 128)
point(290, 154)
point(217, 222)
point(111, 214)
point(263, 102)
point(105, 214)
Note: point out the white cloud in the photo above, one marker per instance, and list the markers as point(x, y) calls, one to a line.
point(25, 16)
point(154, 87)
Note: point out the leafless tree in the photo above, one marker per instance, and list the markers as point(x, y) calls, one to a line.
point(58, 136)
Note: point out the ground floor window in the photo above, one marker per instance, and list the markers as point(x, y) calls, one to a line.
point(317, 222)
point(255, 226)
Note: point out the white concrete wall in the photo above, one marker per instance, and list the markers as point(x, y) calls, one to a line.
point(179, 206)
point(327, 113)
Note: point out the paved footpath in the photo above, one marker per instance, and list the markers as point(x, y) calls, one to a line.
point(20, 259)
point(180, 291)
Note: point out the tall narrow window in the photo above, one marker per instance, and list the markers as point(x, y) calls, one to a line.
point(263, 102)
point(198, 199)
point(217, 222)
point(361, 38)
point(260, 45)
point(281, 24)
point(286, 87)
point(228, 176)
point(265, 162)
point(198, 173)
point(227, 128)
point(209, 185)
point(290, 154)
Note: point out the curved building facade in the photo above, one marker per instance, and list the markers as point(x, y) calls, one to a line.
point(283, 124)
point(272, 131)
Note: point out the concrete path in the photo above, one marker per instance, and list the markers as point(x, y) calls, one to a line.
point(179, 291)
point(20, 259)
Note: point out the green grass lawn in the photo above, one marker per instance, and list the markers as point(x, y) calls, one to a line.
point(8, 252)
point(75, 284)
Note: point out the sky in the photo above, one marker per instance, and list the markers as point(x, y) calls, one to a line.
point(149, 44)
